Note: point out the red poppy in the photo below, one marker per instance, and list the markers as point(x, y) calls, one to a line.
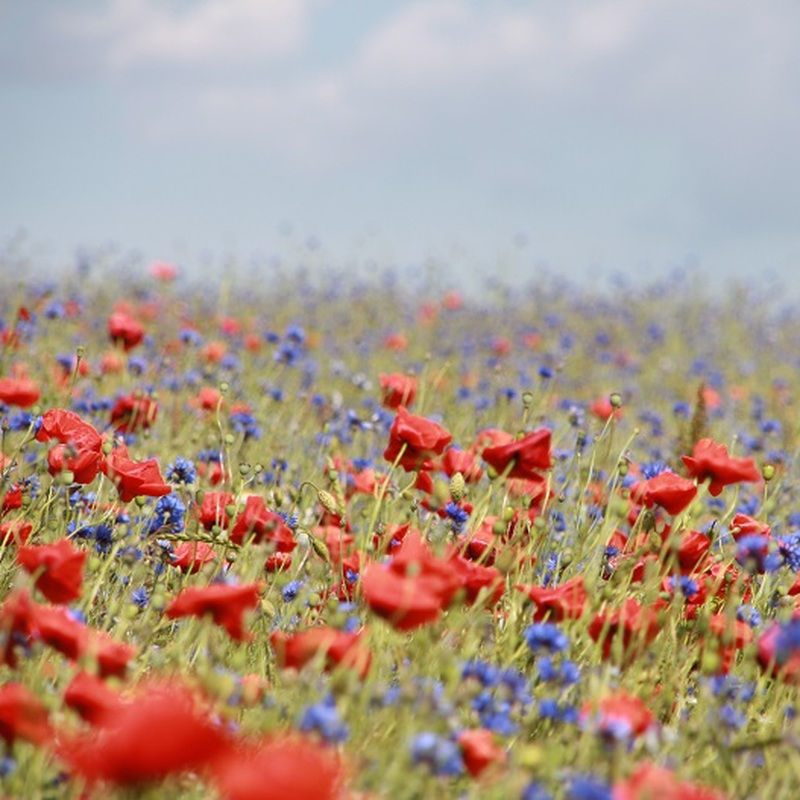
point(727, 637)
point(477, 578)
point(667, 490)
point(22, 715)
point(276, 769)
point(566, 601)
point(521, 457)
point(212, 510)
point(134, 478)
point(650, 781)
point(164, 271)
point(209, 398)
point(19, 391)
point(743, 525)
point(125, 330)
point(634, 625)
point(159, 732)
point(412, 588)
point(463, 461)
point(81, 449)
point(57, 629)
point(58, 569)
point(618, 709)
point(340, 649)
point(132, 413)
point(604, 409)
point(92, 698)
point(397, 389)
point(225, 604)
point(480, 750)
point(15, 532)
point(191, 557)
point(112, 656)
point(778, 651)
point(692, 550)
point(710, 460)
point(258, 523)
point(414, 441)
point(16, 622)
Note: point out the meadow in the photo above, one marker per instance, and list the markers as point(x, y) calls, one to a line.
point(341, 539)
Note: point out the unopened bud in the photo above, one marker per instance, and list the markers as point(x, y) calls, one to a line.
point(458, 487)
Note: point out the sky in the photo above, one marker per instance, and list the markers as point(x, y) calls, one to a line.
point(589, 139)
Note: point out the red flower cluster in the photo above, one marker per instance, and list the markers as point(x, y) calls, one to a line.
point(80, 449)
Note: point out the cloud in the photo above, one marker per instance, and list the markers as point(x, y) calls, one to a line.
point(143, 34)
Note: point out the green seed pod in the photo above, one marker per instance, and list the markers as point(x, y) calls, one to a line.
point(458, 487)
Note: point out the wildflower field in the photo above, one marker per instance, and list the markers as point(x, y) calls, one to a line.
point(284, 539)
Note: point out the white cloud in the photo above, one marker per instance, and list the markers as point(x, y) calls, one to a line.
point(145, 33)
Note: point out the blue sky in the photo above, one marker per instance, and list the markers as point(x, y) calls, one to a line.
point(595, 137)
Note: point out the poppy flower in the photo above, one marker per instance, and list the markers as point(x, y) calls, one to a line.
point(225, 604)
point(112, 656)
point(132, 413)
point(566, 601)
point(159, 732)
point(463, 461)
point(212, 509)
point(19, 391)
point(650, 781)
point(743, 525)
point(476, 578)
point(778, 651)
point(275, 769)
point(81, 449)
point(54, 626)
point(58, 569)
point(710, 460)
point(727, 637)
point(340, 648)
point(91, 698)
point(521, 457)
point(134, 478)
point(634, 625)
point(16, 622)
point(125, 330)
point(22, 715)
point(15, 531)
point(415, 441)
point(412, 588)
point(480, 750)
point(669, 491)
point(257, 522)
point(618, 715)
point(191, 557)
point(397, 389)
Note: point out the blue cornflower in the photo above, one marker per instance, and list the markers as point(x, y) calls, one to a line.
point(789, 549)
point(290, 591)
point(325, 720)
point(732, 717)
point(457, 515)
point(586, 787)
point(753, 553)
point(442, 755)
point(535, 791)
point(486, 673)
point(140, 597)
point(687, 586)
point(546, 636)
point(181, 470)
point(748, 614)
point(245, 423)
